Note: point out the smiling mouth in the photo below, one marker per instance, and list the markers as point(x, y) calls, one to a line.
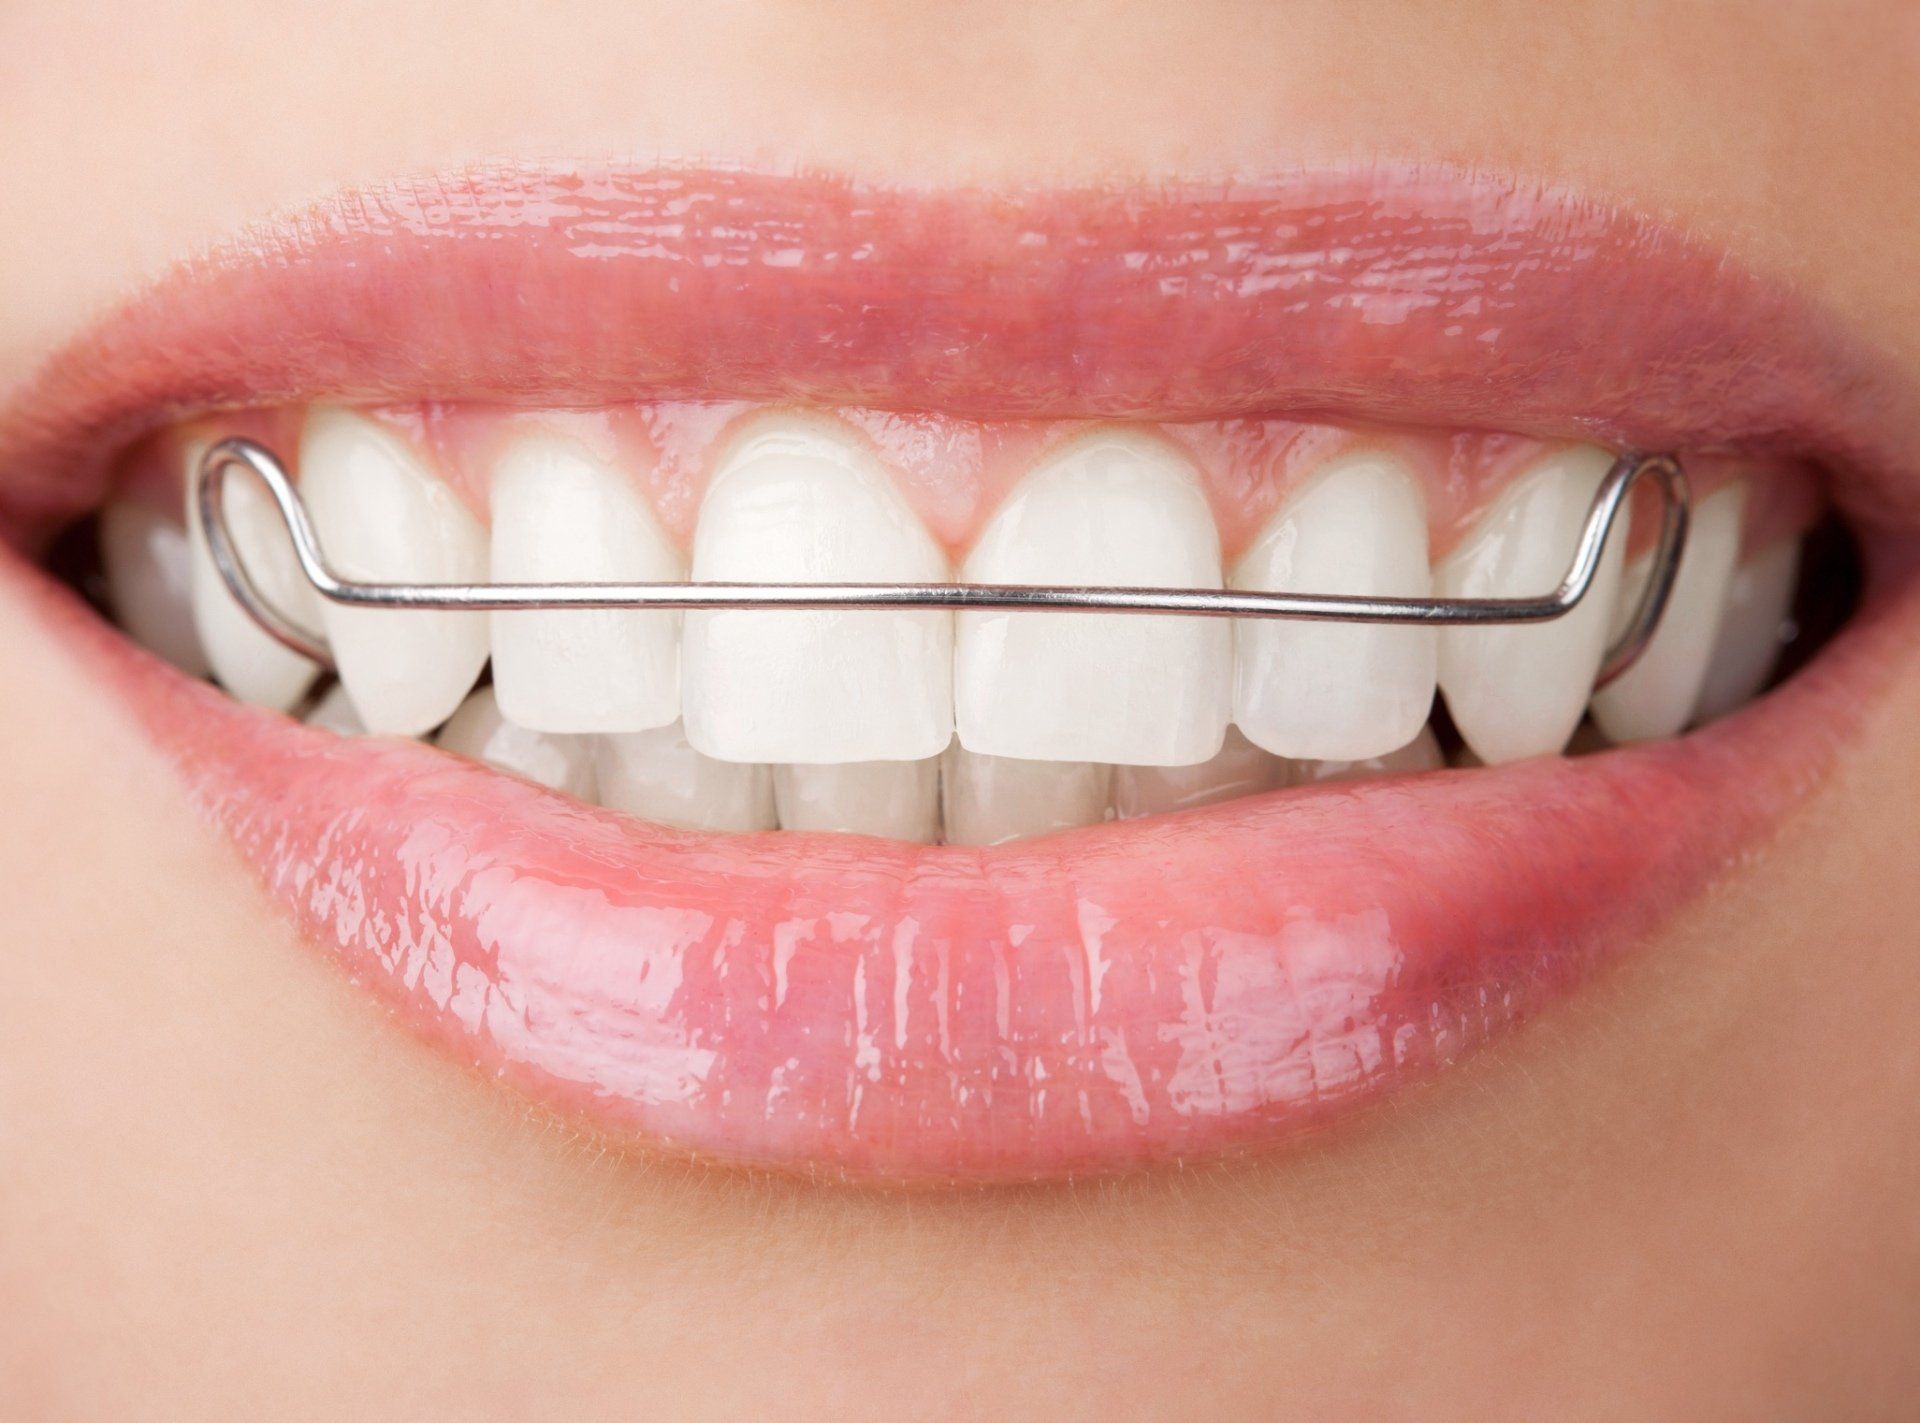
point(926, 895)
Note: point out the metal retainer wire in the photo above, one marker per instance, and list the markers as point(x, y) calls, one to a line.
point(1609, 502)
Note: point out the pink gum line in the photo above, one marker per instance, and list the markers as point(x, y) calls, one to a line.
point(954, 472)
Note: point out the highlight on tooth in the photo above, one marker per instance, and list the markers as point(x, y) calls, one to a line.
point(805, 641)
point(798, 499)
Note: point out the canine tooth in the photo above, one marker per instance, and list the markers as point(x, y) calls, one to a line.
point(1515, 690)
point(1114, 507)
point(897, 799)
point(658, 776)
point(1338, 691)
point(988, 800)
point(247, 662)
point(1241, 769)
point(1423, 753)
point(334, 712)
point(381, 516)
point(1752, 630)
point(479, 732)
point(1656, 696)
point(561, 514)
point(795, 501)
point(149, 568)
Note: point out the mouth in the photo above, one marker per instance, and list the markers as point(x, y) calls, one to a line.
point(921, 895)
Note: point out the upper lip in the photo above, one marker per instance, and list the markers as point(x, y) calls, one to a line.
point(1411, 295)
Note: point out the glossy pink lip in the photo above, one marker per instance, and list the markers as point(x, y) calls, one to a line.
point(1414, 295)
point(1137, 993)
point(1130, 994)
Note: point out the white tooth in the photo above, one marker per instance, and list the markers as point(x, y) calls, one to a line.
point(796, 501)
point(478, 732)
point(1655, 697)
point(896, 799)
point(1115, 507)
point(381, 516)
point(334, 712)
point(1338, 691)
point(247, 662)
point(148, 565)
point(1241, 769)
point(562, 514)
point(1753, 629)
point(988, 800)
point(1517, 691)
point(656, 775)
point(1423, 753)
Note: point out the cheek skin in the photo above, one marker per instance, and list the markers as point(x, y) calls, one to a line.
point(1621, 1171)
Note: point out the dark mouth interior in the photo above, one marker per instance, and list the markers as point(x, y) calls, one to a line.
point(1832, 582)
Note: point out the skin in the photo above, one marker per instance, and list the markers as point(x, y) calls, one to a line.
point(1687, 1193)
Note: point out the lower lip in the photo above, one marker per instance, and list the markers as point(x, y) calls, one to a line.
point(1097, 1001)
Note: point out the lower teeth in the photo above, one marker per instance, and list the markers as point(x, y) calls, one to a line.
point(958, 798)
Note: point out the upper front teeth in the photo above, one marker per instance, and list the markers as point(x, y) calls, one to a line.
point(798, 501)
point(381, 516)
point(1115, 507)
point(847, 720)
point(1516, 690)
point(564, 513)
point(1329, 691)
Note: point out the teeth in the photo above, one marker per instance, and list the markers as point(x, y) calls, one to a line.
point(1240, 769)
point(560, 514)
point(478, 732)
point(847, 721)
point(381, 516)
point(334, 712)
point(149, 567)
point(896, 799)
point(248, 663)
point(1331, 690)
point(1656, 696)
point(1753, 629)
point(799, 502)
point(1116, 507)
point(1423, 753)
point(658, 776)
point(992, 799)
point(1517, 691)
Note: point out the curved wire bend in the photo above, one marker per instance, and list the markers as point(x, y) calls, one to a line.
point(1608, 502)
